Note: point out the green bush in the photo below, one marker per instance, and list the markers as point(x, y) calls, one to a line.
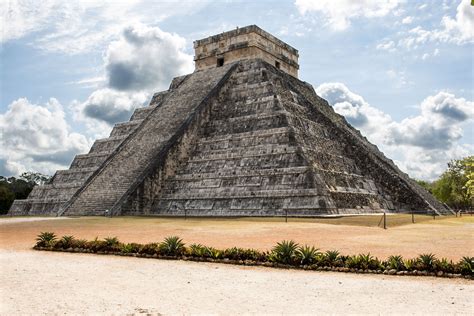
point(331, 258)
point(395, 262)
point(130, 248)
point(172, 246)
point(112, 244)
point(307, 254)
point(45, 239)
point(426, 261)
point(284, 252)
point(65, 242)
point(466, 265)
point(149, 249)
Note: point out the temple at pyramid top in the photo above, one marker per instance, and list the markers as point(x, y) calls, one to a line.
point(245, 43)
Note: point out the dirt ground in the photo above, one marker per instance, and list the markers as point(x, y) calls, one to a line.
point(38, 283)
point(46, 283)
point(449, 237)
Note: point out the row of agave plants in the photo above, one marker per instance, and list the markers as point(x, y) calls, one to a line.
point(284, 254)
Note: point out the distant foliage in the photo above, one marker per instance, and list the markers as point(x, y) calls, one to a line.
point(455, 186)
point(18, 188)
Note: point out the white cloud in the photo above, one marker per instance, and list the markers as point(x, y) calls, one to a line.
point(142, 61)
point(146, 57)
point(458, 30)
point(407, 20)
point(37, 137)
point(79, 26)
point(423, 144)
point(340, 13)
point(387, 45)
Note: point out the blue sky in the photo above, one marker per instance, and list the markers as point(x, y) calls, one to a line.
point(400, 71)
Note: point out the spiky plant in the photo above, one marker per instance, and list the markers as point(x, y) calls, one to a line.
point(284, 252)
point(172, 246)
point(427, 261)
point(65, 242)
point(332, 258)
point(307, 254)
point(149, 249)
point(410, 264)
point(196, 250)
point(466, 265)
point(445, 265)
point(395, 262)
point(130, 248)
point(45, 239)
point(112, 243)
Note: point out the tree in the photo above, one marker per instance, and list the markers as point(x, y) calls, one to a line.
point(455, 186)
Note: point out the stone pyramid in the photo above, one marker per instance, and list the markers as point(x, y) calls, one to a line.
point(241, 136)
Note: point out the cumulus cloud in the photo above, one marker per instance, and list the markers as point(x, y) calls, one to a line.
point(423, 144)
point(142, 61)
point(74, 27)
point(146, 57)
point(37, 137)
point(340, 13)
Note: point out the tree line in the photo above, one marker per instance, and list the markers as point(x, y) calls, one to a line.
point(455, 186)
point(12, 188)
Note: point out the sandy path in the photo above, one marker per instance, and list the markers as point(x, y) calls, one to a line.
point(51, 283)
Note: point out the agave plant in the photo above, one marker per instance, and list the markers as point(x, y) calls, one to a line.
point(65, 242)
point(196, 250)
point(395, 262)
point(172, 246)
point(45, 239)
point(112, 243)
point(467, 265)
point(410, 264)
point(307, 254)
point(149, 249)
point(130, 248)
point(445, 265)
point(427, 261)
point(332, 258)
point(353, 262)
point(284, 252)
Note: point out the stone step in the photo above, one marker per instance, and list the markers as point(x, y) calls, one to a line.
point(141, 113)
point(124, 129)
point(73, 175)
point(246, 123)
point(245, 108)
point(267, 161)
point(107, 144)
point(264, 136)
point(240, 192)
point(241, 152)
point(231, 174)
point(90, 160)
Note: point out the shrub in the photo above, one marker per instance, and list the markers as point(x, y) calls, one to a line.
point(79, 243)
point(112, 244)
point(96, 245)
point(426, 261)
point(149, 249)
point(284, 252)
point(45, 239)
point(130, 248)
point(307, 254)
point(445, 266)
point(395, 262)
point(235, 253)
point(410, 264)
point(65, 242)
point(172, 246)
point(466, 265)
point(196, 250)
point(331, 258)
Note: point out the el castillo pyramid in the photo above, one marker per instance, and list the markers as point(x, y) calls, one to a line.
point(241, 136)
